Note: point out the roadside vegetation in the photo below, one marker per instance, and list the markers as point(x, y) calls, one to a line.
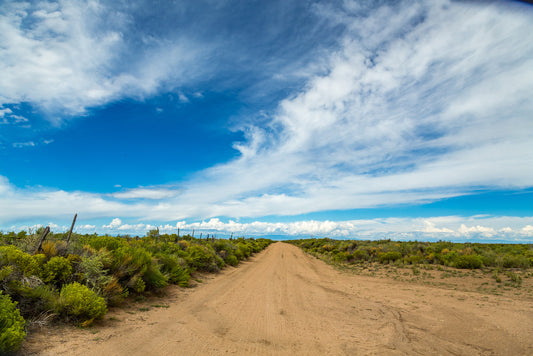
point(459, 255)
point(77, 281)
point(486, 268)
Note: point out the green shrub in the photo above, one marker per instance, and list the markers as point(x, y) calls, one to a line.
point(11, 325)
point(245, 249)
point(136, 284)
point(129, 260)
point(413, 259)
point(231, 260)
point(360, 255)
point(94, 273)
point(5, 272)
point(57, 271)
point(42, 298)
point(153, 277)
point(469, 261)
point(110, 243)
point(386, 257)
point(515, 261)
point(342, 256)
point(173, 267)
point(39, 259)
point(202, 258)
point(23, 263)
point(77, 300)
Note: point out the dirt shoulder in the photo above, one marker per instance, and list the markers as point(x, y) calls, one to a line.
point(283, 301)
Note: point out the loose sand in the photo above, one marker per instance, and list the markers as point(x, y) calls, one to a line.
point(285, 302)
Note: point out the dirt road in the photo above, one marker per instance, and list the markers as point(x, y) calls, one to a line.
point(285, 302)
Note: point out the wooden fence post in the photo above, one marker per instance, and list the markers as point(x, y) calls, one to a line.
point(71, 228)
point(43, 236)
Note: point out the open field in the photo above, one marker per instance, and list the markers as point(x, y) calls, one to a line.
point(283, 301)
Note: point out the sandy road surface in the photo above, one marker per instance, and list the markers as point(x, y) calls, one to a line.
point(285, 302)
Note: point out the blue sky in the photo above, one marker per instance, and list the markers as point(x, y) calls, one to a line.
point(403, 120)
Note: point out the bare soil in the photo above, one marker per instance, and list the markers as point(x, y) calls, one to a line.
point(284, 302)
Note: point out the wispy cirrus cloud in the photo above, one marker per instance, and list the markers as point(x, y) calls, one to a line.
point(154, 193)
point(24, 144)
point(424, 101)
point(65, 57)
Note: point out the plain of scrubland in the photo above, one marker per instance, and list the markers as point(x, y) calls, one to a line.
point(285, 302)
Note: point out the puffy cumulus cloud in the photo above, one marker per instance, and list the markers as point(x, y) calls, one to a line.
point(483, 230)
point(53, 226)
point(67, 56)
point(429, 227)
point(311, 227)
point(528, 230)
point(115, 223)
point(435, 228)
point(506, 230)
point(451, 228)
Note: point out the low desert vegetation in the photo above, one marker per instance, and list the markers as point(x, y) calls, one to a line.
point(77, 281)
point(441, 253)
point(485, 268)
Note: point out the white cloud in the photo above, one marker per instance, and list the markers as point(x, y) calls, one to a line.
point(399, 118)
point(86, 227)
point(114, 224)
point(38, 203)
point(527, 230)
point(485, 231)
point(444, 227)
point(68, 56)
point(5, 111)
point(53, 226)
point(429, 227)
point(145, 193)
point(182, 98)
point(23, 144)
